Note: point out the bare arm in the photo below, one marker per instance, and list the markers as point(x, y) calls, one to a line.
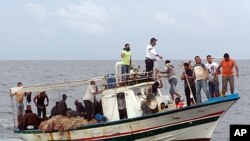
point(160, 86)
point(156, 54)
point(206, 73)
point(237, 69)
point(183, 76)
point(218, 69)
point(12, 94)
point(159, 56)
point(122, 55)
point(96, 91)
point(34, 99)
point(130, 62)
point(46, 96)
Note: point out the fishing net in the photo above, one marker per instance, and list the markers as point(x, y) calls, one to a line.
point(61, 123)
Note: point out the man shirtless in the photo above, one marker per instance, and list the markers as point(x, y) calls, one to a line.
point(39, 102)
point(19, 99)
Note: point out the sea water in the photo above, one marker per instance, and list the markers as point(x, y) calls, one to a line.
point(47, 72)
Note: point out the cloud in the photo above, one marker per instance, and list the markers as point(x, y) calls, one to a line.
point(87, 17)
point(38, 10)
point(195, 18)
point(164, 18)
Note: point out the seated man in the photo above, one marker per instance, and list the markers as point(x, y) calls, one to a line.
point(62, 106)
point(28, 109)
point(178, 103)
point(72, 113)
point(149, 106)
point(29, 119)
point(163, 107)
point(122, 106)
point(156, 86)
point(54, 110)
point(80, 108)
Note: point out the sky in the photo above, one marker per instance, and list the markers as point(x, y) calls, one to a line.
point(99, 29)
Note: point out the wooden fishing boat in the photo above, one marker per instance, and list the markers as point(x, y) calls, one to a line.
point(196, 122)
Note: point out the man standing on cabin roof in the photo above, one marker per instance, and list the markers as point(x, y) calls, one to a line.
point(201, 75)
point(89, 98)
point(151, 55)
point(39, 102)
point(126, 60)
point(227, 65)
point(19, 99)
point(213, 83)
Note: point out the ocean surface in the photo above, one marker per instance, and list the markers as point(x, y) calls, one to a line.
point(46, 72)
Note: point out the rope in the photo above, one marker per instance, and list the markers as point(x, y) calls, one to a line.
point(13, 110)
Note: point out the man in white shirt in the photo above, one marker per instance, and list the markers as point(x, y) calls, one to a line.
point(151, 55)
point(201, 76)
point(213, 83)
point(89, 99)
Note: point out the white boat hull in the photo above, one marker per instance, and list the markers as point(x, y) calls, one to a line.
point(191, 123)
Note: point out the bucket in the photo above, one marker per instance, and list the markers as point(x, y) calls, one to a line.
point(110, 81)
point(100, 118)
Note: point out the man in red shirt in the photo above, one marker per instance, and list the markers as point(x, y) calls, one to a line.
point(227, 65)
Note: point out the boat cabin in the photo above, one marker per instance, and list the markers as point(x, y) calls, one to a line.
point(127, 100)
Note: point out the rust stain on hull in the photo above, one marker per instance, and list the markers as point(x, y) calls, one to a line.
point(68, 135)
point(51, 136)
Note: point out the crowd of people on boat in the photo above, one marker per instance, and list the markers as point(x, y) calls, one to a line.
point(28, 117)
point(196, 77)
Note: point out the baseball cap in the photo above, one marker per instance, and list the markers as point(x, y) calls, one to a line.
point(153, 39)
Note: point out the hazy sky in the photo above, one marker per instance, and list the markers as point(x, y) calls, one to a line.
point(98, 29)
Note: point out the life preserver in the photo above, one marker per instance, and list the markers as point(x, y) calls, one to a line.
point(179, 105)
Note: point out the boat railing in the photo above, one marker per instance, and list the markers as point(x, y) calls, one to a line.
point(108, 81)
point(114, 81)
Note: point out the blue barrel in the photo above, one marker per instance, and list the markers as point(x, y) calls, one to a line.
point(110, 81)
point(100, 118)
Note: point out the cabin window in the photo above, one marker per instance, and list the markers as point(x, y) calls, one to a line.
point(122, 106)
point(138, 95)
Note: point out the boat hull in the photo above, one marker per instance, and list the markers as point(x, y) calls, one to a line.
point(190, 123)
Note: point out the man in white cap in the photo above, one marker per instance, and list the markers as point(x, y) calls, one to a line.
point(151, 55)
